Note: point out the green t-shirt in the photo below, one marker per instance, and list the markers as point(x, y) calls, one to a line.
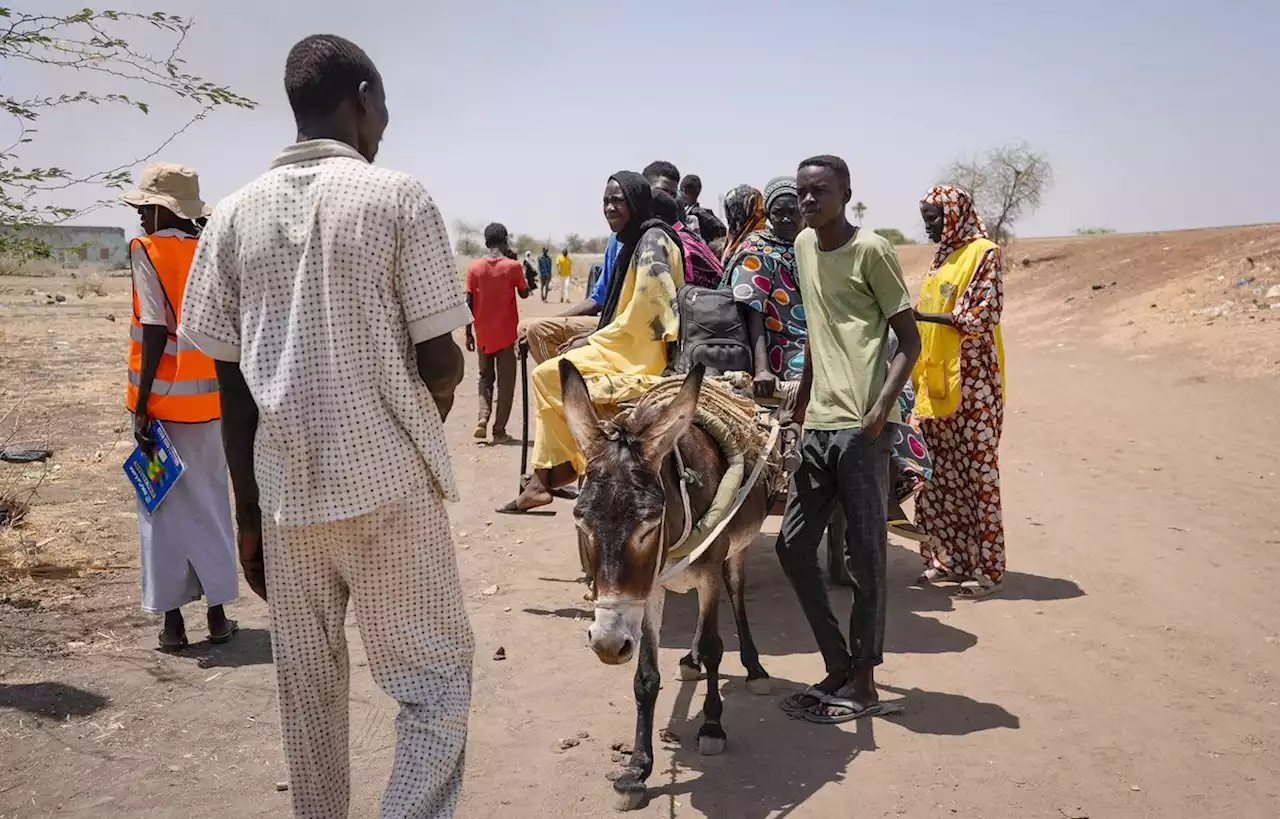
point(849, 294)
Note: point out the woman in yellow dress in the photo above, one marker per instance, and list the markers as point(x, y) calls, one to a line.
point(959, 381)
point(637, 322)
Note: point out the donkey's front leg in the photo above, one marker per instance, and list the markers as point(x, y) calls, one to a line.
point(735, 571)
point(711, 736)
point(629, 786)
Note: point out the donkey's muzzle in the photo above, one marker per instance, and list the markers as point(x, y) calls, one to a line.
point(616, 631)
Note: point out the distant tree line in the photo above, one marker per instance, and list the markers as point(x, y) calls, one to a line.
point(894, 235)
point(469, 241)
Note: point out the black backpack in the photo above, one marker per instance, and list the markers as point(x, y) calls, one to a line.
point(713, 332)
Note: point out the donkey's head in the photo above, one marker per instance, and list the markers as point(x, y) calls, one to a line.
point(620, 511)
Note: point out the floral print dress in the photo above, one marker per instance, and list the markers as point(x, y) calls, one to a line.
point(960, 507)
point(762, 275)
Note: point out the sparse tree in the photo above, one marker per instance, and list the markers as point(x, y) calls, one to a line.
point(524, 243)
point(859, 210)
point(1006, 184)
point(91, 42)
point(469, 240)
point(575, 243)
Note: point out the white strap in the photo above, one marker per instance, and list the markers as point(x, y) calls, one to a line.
point(675, 570)
point(684, 497)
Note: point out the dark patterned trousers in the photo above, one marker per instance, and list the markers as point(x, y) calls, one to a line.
point(840, 469)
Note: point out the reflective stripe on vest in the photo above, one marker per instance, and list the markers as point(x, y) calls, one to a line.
point(161, 388)
point(936, 376)
point(185, 387)
point(171, 347)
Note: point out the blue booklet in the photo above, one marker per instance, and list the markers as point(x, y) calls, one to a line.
point(153, 477)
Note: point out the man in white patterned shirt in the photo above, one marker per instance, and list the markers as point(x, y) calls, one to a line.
point(327, 294)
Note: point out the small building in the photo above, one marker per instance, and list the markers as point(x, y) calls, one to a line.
point(77, 246)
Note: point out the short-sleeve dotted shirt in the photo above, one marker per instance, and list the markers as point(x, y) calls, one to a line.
point(318, 278)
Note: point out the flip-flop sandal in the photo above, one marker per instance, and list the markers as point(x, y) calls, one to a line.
point(562, 492)
point(220, 639)
point(931, 576)
point(878, 709)
point(977, 589)
point(791, 705)
point(513, 508)
point(173, 645)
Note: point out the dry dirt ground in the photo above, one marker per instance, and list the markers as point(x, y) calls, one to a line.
point(1129, 670)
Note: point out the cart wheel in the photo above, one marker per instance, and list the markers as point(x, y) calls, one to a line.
point(837, 571)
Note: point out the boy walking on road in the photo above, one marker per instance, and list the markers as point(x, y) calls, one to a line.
point(544, 273)
point(853, 293)
point(564, 269)
point(492, 285)
point(327, 295)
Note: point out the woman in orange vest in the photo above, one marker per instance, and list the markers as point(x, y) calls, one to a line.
point(959, 383)
point(188, 546)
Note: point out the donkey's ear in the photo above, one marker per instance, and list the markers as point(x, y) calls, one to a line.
point(579, 412)
point(660, 436)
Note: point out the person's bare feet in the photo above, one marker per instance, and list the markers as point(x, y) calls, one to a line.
point(533, 496)
point(500, 437)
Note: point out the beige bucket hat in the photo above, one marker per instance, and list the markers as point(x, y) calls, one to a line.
point(171, 186)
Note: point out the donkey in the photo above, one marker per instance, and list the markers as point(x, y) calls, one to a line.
point(630, 513)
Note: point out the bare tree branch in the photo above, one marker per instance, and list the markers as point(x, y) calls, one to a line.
point(1006, 184)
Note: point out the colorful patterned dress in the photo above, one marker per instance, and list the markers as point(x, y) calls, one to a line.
point(762, 275)
point(960, 508)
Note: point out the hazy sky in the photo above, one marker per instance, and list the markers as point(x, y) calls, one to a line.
point(1154, 114)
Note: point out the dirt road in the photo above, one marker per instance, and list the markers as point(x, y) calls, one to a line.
point(1130, 668)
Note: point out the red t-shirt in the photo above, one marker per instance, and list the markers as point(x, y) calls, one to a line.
point(492, 284)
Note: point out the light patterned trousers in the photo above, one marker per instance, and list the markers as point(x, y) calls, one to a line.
point(546, 336)
point(397, 565)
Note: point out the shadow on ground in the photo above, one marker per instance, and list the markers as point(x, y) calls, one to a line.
point(774, 764)
point(51, 700)
point(779, 627)
point(250, 646)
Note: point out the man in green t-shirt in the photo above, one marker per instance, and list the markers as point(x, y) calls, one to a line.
point(853, 293)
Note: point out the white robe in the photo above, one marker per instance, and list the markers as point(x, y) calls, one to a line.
point(188, 544)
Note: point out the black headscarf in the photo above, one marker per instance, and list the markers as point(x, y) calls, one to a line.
point(635, 189)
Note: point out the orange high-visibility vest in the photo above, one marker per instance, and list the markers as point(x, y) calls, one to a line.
point(185, 389)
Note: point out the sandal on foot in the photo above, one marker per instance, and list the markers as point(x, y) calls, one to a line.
point(513, 508)
point(978, 589)
point(220, 639)
point(795, 703)
point(562, 492)
point(930, 576)
point(855, 711)
point(173, 645)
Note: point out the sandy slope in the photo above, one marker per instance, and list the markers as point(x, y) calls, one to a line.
point(1130, 669)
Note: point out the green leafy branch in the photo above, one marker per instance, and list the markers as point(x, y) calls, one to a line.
point(87, 41)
